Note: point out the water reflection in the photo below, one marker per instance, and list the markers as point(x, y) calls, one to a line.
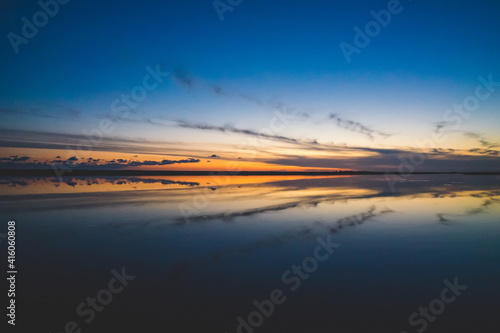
point(203, 249)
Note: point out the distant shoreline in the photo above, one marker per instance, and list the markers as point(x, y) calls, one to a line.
point(72, 173)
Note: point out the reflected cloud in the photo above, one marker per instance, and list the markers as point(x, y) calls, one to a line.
point(304, 232)
point(441, 218)
point(246, 198)
point(13, 183)
point(228, 216)
point(484, 206)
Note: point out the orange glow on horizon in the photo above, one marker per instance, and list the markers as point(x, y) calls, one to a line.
point(205, 164)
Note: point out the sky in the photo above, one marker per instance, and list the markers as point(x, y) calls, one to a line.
point(250, 85)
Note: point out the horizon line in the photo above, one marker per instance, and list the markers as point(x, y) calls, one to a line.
point(84, 172)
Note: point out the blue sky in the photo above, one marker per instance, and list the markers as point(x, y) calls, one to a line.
point(263, 56)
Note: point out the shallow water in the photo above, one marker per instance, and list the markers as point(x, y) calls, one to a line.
point(203, 249)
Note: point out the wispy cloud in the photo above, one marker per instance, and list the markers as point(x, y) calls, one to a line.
point(231, 129)
point(357, 127)
point(80, 142)
point(26, 112)
point(363, 158)
point(252, 99)
point(58, 111)
point(390, 162)
point(441, 125)
point(228, 216)
point(489, 152)
point(182, 76)
point(482, 140)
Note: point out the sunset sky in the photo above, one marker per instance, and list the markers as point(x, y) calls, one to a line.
point(169, 85)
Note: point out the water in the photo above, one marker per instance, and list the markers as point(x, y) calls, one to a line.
point(203, 249)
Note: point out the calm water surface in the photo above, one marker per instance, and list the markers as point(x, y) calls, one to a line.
point(203, 249)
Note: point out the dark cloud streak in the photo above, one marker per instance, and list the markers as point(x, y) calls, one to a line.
point(231, 129)
point(357, 127)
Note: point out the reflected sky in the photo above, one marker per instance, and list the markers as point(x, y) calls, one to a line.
point(202, 253)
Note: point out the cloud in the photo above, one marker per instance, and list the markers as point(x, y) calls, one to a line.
point(437, 159)
point(441, 218)
point(228, 216)
point(161, 181)
point(89, 164)
point(183, 77)
point(482, 140)
point(252, 99)
point(213, 156)
point(13, 182)
point(489, 152)
point(391, 162)
point(231, 129)
point(357, 127)
point(24, 165)
point(164, 162)
point(15, 159)
point(76, 142)
point(48, 111)
point(20, 159)
point(26, 112)
point(219, 90)
point(304, 231)
point(442, 125)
